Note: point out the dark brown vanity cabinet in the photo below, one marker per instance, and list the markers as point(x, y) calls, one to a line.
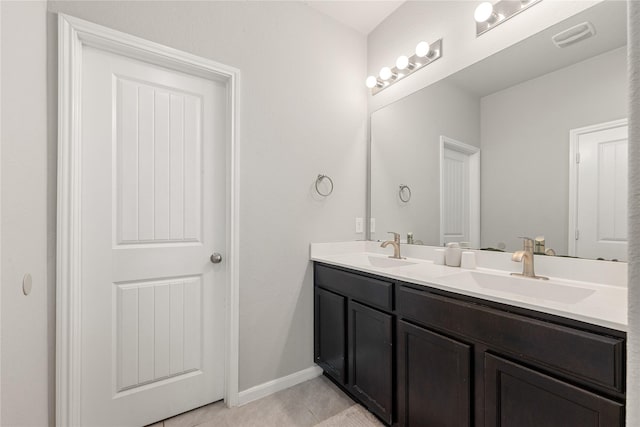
point(370, 357)
point(434, 379)
point(419, 356)
point(486, 366)
point(517, 396)
point(330, 335)
point(354, 336)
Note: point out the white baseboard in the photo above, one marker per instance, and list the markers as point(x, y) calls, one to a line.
point(270, 387)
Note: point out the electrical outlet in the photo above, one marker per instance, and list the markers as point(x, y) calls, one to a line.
point(359, 225)
point(372, 225)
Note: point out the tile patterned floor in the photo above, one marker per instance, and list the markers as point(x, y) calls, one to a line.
point(305, 404)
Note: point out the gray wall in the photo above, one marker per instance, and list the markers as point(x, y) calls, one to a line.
point(525, 147)
point(26, 377)
point(405, 149)
point(302, 99)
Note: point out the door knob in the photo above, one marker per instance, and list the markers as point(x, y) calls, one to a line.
point(216, 258)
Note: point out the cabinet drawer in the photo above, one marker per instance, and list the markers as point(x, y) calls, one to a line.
point(590, 357)
point(364, 289)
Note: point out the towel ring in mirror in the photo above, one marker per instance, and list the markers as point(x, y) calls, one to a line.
point(404, 193)
point(319, 180)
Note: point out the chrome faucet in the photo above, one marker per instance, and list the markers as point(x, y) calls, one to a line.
point(395, 243)
point(525, 256)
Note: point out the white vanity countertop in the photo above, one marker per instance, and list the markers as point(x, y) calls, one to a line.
point(596, 303)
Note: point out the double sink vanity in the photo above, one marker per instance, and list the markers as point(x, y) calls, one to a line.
point(430, 345)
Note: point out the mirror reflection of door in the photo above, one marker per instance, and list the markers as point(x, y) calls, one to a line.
point(598, 215)
point(459, 192)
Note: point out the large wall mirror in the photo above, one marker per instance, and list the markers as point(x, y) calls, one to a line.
point(531, 141)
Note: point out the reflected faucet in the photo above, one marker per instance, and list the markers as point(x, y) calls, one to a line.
point(525, 256)
point(395, 243)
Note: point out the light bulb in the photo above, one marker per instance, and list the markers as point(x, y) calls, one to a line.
point(372, 82)
point(402, 62)
point(483, 12)
point(385, 73)
point(422, 49)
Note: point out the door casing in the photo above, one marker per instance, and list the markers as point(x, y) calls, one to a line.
point(74, 34)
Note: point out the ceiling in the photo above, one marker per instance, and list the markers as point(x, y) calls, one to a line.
point(537, 55)
point(363, 15)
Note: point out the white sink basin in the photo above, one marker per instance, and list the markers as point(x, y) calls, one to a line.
point(368, 260)
point(428, 271)
point(514, 285)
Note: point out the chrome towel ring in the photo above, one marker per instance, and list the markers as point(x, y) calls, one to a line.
point(404, 193)
point(319, 180)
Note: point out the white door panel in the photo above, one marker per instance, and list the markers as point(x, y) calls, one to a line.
point(159, 157)
point(153, 212)
point(455, 196)
point(459, 192)
point(601, 197)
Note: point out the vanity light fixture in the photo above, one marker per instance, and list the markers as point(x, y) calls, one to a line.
point(484, 13)
point(423, 49)
point(425, 54)
point(402, 63)
point(488, 15)
point(386, 74)
point(372, 82)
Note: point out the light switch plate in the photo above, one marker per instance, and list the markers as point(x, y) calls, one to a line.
point(359, 225)
point(372, 225)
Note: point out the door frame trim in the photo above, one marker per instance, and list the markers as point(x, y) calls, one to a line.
point(74, 34)
point(574, 135)
point(474, 187)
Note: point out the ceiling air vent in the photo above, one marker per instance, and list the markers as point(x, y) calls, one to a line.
point(574, 34)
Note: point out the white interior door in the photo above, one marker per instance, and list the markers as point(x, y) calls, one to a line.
point(459, 193)
point(601, 197)
point(153, 212)
point(455, 207)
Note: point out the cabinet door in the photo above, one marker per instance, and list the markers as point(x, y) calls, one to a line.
point(371, 359)
point(434, 386)
point(330, 333)
point(516, 396)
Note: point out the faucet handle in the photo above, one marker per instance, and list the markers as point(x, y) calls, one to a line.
point(527, 243)
point(396, 236)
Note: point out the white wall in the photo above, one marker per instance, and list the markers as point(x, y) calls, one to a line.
point(405, 149)
point(525, 147)
point(25, 378)
point(302, 112)
point(453, 22)
point(293, 125)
